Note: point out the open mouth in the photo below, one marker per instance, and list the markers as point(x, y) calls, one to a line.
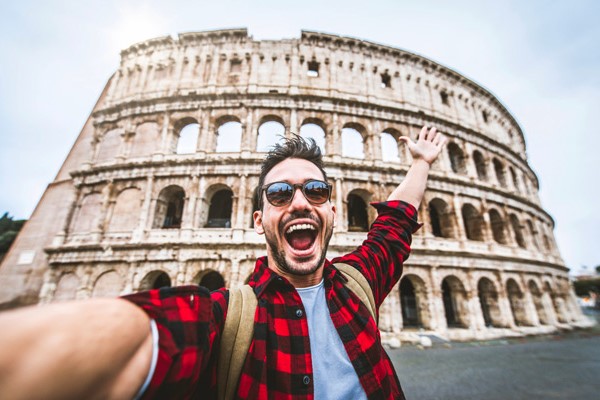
point(301, 237)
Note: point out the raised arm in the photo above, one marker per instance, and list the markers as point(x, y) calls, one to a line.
point(100, 348)
point(424, 152)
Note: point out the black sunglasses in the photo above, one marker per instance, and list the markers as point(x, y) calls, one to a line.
point(281, 193)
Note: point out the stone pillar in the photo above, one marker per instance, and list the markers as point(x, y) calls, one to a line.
point(190, 203)
point(460, 226)
point(242, 195)
point(146, 211)
point(341, 221)
point(508, 319)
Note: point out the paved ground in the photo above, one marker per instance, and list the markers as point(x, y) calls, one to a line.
point(562, 366)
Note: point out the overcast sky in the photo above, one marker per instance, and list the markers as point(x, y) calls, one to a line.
point(540, 58)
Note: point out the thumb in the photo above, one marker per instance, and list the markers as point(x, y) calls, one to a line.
point(405, 139)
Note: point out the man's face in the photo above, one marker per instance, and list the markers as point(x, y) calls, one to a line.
point(298, 233)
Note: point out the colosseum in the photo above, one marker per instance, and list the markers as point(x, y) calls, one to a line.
point(159, 187)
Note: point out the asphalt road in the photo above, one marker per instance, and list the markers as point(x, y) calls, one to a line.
point(565, 366)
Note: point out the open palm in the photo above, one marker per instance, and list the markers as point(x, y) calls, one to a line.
point(428, 146)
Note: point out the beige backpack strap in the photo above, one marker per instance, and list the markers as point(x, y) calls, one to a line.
point(360, 286)
point(235, 339)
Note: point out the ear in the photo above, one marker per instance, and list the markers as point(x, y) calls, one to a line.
point(334, 211)
point(258, 226)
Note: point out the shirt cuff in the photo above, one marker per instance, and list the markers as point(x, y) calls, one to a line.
point(154, 330)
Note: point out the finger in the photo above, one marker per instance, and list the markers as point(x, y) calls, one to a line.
point(438, 137)
point(423, 132)
point(431, 134)
point(442, 141)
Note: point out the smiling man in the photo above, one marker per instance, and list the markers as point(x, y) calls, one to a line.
point(313, 337)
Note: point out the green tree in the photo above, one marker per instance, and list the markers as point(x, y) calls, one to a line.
point(9, 229)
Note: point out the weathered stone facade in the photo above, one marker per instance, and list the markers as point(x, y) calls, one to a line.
point(158, 188)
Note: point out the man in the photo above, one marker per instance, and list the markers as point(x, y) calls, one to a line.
point(313, 337)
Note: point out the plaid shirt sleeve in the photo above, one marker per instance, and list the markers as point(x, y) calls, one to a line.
point(189, 321)
point(381, 256)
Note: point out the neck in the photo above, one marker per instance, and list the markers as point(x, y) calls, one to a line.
point(298, 280)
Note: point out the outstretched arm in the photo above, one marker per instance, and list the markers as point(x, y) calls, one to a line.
point(424, 152)
point(99, 348)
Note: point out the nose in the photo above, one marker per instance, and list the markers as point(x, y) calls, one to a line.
point(299, 201)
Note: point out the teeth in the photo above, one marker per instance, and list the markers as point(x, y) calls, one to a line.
point(299, 227)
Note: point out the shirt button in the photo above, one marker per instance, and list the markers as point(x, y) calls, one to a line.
point(306, 380)
point(299, 313)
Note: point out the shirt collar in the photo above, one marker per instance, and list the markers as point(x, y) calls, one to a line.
point(264, 277)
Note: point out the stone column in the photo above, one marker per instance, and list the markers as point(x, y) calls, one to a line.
point(460, 226)
point(342, 223)
point(146, 211)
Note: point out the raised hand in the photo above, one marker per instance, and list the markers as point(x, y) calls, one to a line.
point(428, 146)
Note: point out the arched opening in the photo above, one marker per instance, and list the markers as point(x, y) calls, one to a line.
point(517, 304)
point(408, 302)
point(534, 234)
point(316, 132)
point(536, 295)
point(352, 143)
point(358, 218)
point(126, 211)
point(109, 146)
point(517, 230)
point(219, 212)
point(442, 223)
point(498, 230)
point(480, 165)
point(269, 133)
point(212, 280)
point(457, 159)
point(66, 288)
point(488, 298)
point(515, 181)
point(88, 216)
point(499, 170)
point(454, 298)
point(188, 138)
point(155, 280)
point(109, 284)
point(389, 147)
point(146, 140)
point(169, 208)
point(473, 222)
point(229, 137)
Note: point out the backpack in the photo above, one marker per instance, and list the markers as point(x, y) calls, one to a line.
point(239, 327)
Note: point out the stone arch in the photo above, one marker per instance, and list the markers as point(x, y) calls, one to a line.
point(473, 222)
point(457, 158)
point(536, 295)
point(155, 280)
point(188, 132)
point(357, 213)
point(533, 234)
point(480, 165)
point(88, 216)
point(414, 302)
point(488, 299)
point(220, 206)
point(66, 287)
point(517, 302)
point(441, 218)
point(499, 171)
point(353, 141)
point(168, 212)
point(513, 176)
point(389, 145)
point(315, 129)
point(126, 211)
point(109, 146)
point(210, 279)
point(146, 139)
point(270, 131)
point(454, 298)
point(517, 230)
point(108, 284)
point(229, 134)
point(498, 227)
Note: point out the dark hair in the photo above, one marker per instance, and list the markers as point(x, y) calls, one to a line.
point(293, 147)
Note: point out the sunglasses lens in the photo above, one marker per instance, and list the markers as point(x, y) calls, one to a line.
point(316, 191)
point(279, 193)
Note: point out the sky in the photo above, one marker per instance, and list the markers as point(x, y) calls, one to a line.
point(541, 59)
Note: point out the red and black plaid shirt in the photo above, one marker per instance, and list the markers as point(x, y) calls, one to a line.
point(278, 366)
